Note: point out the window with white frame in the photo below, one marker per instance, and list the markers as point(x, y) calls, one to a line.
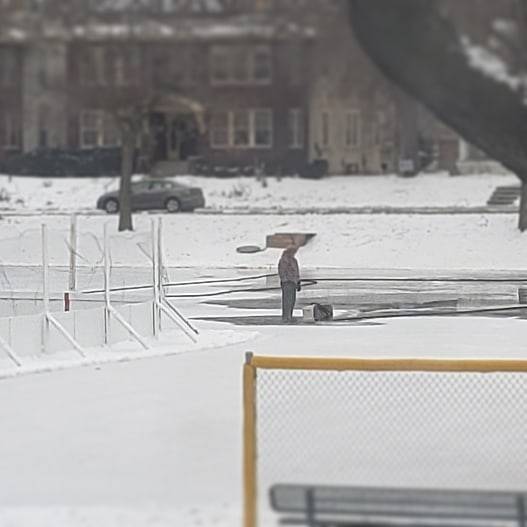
point(262, 128)
point(324, 129)
point(242, 129)
point(352, 135)
point(241, 65)
point(295, 128)
point(11, 133)
point(219, 130)
point(98, 129)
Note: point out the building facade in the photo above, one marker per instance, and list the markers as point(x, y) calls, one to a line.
point(226, 88)
point(234, 83)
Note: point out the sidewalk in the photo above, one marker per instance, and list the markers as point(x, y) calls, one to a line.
point(279, 211)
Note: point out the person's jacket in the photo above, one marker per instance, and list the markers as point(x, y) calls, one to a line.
point(288, 267)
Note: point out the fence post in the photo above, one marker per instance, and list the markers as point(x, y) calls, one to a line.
point(45, 290)
point(160, 268)
point(250, 490)
point(73, 253)
point(106, 286)
point(165, 306)
point(155, 271)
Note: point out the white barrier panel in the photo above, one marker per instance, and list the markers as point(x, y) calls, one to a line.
point(57, 342)
point(25, 336)
point(142, 318)
point(92, 319)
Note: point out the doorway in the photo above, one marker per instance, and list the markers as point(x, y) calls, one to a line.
point(181, 136)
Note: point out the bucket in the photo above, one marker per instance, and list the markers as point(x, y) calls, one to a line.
point(522, 295)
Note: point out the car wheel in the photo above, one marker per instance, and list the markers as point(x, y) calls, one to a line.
point(172, 205)
point(111, 206)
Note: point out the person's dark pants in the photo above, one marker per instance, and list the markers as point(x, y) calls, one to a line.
point(288, 300)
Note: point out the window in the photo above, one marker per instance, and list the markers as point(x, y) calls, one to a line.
point(104, 65)
point(263, 128)
point(220, 66)
point(241, 65)
point(92, 66)
point(296, 128)
point(111, 135)
point(296, 65)
point(99, 66)
point(242, 129)
point(324, 132)
point(172, 69)
point(11, 134)
point(8, 67)
point(261, 65)
point(220, 130)
point(98, 130)
point(353, 129)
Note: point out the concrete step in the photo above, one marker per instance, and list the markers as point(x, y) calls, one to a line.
point(505, 195)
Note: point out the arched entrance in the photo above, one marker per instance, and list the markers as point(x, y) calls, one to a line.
point(177, 125)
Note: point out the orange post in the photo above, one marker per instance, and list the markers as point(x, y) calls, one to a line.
point(249, 444)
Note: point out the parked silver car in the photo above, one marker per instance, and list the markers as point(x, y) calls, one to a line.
point(155, 194)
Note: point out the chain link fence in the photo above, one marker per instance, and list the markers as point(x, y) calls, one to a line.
point(449, 430)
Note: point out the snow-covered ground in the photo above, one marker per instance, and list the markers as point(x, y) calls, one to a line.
point(378, 241)
point(433, 190)
point(157, 442)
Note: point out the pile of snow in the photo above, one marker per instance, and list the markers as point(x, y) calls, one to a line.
point(434, 190)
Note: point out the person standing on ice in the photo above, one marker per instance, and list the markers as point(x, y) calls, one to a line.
point(290, 282)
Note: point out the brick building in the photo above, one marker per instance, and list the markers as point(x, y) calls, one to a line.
point(222, 82)
point(233, 82)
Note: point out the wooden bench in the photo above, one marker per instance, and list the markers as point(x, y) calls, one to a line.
point(319, 506)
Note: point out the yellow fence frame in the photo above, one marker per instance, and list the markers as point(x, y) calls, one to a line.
point(255, 363)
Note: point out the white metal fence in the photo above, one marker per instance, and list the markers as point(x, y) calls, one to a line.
point(104, 262)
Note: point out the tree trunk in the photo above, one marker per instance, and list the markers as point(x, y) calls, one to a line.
point(408, 134)
point(522, 223)
point(125, 189)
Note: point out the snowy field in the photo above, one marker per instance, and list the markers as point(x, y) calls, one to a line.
point(437, 190)
point(443, 242)
point(157, 442)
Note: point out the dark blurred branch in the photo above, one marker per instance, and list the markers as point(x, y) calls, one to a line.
point(416, 47)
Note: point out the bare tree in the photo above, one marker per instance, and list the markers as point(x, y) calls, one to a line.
point(420, 49)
